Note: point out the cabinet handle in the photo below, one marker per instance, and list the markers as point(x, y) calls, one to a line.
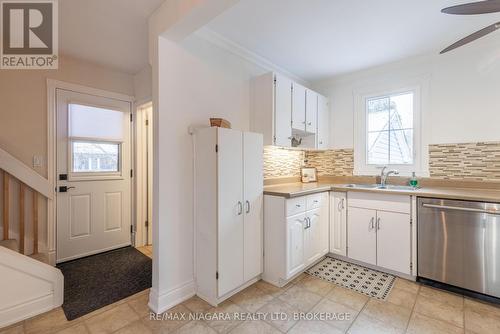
point(341, 206)
point(248, 206)
point(298, 205)
point(378, 223)
point(309, 123)
point(240, 208)
point(371, 226)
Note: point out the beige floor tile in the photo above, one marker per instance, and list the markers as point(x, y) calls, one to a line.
point(481, 307)
point(15, 329)
point(253, 327)
point(251, 299)
point(388, 313)
point(223, 325)
point(195, 327)
point(441, 295)
point(300, 298)
point(299, 278)
point(344, 315)
point(197, 305)
point(78, 329)
point(316, 285)
point(313, 327)
point(402, 298)
point(441, 310)
point(111, 320)
point(366, 325)
point(140, 305)
point(270, 289)
point(482, 323)
point(276, 307)
point(353, 299)
point(49, 322)
point(169, 321)
point(420, 324)
point(135, 328)
point(407, 285)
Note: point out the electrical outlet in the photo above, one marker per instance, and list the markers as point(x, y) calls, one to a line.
point(37, 161)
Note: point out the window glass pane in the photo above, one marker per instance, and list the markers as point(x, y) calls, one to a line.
point(378, 114)
point(402, 111)
point(93, 157)
point(98, 123)
point(378, 148)
point(401, 147)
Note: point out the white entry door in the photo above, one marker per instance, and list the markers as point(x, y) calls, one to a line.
point(93, 174)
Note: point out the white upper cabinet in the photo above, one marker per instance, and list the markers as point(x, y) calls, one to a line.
point(311, 111)
point(323, 123)
point(283, 109)
point(299, 107)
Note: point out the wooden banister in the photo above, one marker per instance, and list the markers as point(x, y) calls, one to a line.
point(21, 218)
point(35, 222)
point(6, 181)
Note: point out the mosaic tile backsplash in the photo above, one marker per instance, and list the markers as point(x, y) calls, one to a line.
point(468, 161)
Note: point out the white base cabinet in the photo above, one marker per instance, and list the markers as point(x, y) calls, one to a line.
point(296, 235)
point(228, 212)
point(380, 230)
point(338, 223)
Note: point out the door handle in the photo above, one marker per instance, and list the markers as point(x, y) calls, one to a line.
point(64, 189)
point(378, 223)
point(240, 208)
point(371, 226)
point(248, 206)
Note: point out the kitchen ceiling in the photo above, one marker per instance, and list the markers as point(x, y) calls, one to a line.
point(317, 39)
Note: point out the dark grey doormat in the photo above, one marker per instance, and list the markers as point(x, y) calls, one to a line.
point(99, 280)
point(349, 275)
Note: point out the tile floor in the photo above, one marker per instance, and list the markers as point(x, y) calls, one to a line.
point(410, 308)
point(146, 250)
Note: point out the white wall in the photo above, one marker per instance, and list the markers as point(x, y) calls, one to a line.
point(196, 80)
point(463, 103)
point(143, 86)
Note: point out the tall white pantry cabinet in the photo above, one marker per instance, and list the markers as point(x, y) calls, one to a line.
point(228, 211)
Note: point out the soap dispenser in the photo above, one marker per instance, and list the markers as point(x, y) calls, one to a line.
point(413, 180)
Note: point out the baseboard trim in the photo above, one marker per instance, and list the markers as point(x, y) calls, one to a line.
point(161, 302)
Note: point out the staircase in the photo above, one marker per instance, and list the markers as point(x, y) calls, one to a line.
point(28, 284)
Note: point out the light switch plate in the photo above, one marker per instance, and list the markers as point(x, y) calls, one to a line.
point(37, 161)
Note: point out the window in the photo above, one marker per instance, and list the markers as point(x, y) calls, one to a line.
point(387, 131)
point(390, 130)
point(95, 138)
point(94, 157)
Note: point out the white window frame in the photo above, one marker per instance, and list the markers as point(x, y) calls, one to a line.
point(420, 160)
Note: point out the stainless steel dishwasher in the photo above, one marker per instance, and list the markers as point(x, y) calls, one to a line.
point(459, 244)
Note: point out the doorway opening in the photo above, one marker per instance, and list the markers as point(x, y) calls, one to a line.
point(144, 178)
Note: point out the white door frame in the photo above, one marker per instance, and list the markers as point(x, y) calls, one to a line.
point(52, 86)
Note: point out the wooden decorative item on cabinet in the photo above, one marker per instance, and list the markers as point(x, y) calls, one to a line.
point(220, 123)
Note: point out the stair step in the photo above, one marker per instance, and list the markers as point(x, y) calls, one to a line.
point(42, 257)
point(10, 244)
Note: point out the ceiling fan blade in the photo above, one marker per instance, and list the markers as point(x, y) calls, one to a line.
point(472, 37)
point(473, 8)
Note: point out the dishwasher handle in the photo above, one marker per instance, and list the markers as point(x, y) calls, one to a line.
point(458, 208)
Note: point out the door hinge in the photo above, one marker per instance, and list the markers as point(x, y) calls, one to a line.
point(147, 122)
point(275, 81)
point(131, 229)
point(146, 223)
point(131, 173)
point(411, 266)
point(411, 221)
point(131, 117)
point(216, 275)
point(216, 148)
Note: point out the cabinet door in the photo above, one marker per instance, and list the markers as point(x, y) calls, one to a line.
point(295, 226)
point(394, 241)
point(299, 107)
point(230, 209)
point(362, 236)
point(252, 189)
point(312, 237)
point(323, 123)
point(338, 223)
point(311, 111)
point(282, 111)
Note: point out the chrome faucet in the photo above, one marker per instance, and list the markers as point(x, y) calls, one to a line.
point(384, 176)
